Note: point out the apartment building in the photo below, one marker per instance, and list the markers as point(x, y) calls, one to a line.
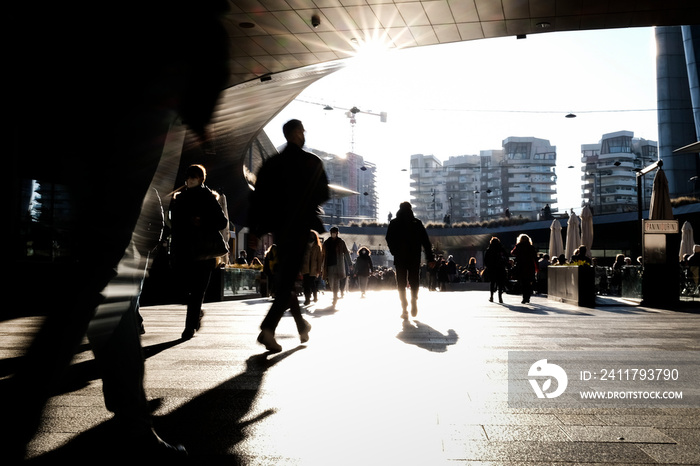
point(350, 171)
point(608, 178)
point(469, 188)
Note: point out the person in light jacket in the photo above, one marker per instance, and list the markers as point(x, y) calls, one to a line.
point(311, 267)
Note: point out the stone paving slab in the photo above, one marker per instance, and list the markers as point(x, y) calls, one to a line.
point(371, 389)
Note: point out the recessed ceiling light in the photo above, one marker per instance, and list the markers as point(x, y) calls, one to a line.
point(544, 25)
point(246, 25)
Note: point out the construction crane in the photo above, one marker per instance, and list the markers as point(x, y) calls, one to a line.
point(351, 114)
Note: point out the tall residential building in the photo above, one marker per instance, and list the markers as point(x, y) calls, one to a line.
point(428, 192)
point(528, 183)
point(678, 103)
point(609, 181)
point(468, 188)
point(351, 172)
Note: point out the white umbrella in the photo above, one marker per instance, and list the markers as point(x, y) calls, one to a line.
point(660, 205)
point(587, 229)
point(573, 236)
point(556, 244)
point(687, 240)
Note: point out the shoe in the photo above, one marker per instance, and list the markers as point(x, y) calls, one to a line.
point(500, 299)
point(267, 338)
point(307, 301)
point(187, 334)
point(152, 448)
point(404, 314)
point(304, 334)
point(491, 299)
point(414, 307)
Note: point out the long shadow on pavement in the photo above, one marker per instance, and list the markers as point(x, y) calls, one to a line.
point(209, 425)
point(426, 337)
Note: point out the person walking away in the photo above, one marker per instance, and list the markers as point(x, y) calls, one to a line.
point(336, 257)
point(496, 262)
point(473, 270)
point(405, 237)
point(526, 265)
point(363, 268)
point(311, 267)
point(196, 218)
point(289, 189)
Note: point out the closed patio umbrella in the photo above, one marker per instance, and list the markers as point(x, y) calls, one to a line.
point(573, 235)
point(687, 240)
point(556, 244)
point(587, 229)
point(660, 206)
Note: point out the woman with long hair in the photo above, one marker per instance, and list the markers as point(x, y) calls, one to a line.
point(311, 267)
point(525, 265)
point(496, 261)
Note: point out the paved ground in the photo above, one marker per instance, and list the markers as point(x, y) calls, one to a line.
point(370, 389)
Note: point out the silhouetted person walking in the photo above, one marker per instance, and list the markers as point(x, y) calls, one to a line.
point(496, 261)
point(114, 111)
point(289, 189)
point(336, 259)
point(196, 219)
point(405, 237)
point(525, 265)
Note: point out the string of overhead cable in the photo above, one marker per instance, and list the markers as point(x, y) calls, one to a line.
point(571, 114)
point(539, 111)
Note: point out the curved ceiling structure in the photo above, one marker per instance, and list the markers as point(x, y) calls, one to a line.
point(278, 48)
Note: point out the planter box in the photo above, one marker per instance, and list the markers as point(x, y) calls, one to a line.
point(572, 285)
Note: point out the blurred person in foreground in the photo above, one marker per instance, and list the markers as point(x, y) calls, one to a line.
point(405, 236)
point(289, 190)
point(116, 98)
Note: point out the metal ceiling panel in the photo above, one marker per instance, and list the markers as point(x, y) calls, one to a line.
point(278, 40)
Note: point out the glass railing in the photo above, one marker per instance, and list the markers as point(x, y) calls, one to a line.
point(243, 281)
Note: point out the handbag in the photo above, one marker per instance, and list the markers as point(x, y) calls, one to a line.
point(211, 246)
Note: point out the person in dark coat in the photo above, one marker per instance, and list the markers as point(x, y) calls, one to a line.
point(363, 268)
point(525, 264)
point(289, 190)
point(195, 216)
point(405, 237)
point(495, 261)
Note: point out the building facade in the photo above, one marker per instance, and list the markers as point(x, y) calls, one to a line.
point(353, 173)
point(518, 179)
point(609, 180)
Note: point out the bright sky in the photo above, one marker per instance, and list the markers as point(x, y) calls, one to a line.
point(461, 98)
